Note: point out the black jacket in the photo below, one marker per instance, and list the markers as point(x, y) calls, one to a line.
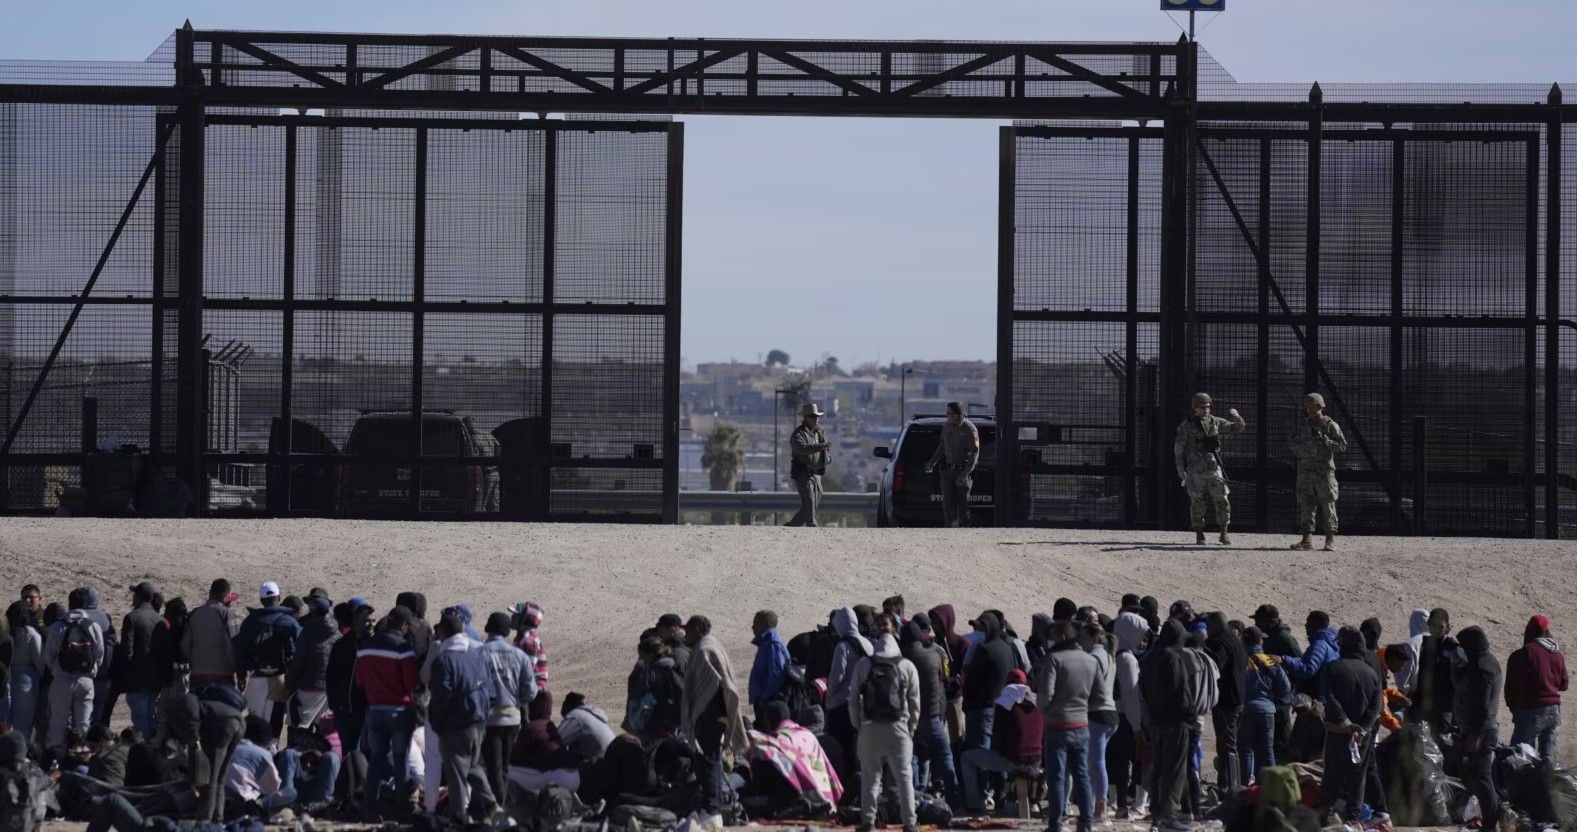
point(928, 659)
point(1477, 684)
point(1163, 677)
point(1352, 690)
point(345, 696)
point(1231, 659)
point(309, 670)
point(1434, 697)
point(987, 673)
point(145, 651)
point(421, 631)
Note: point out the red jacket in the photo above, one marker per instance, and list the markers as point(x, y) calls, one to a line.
point(1017, 731)
point(1535, 676)
point(386, 670)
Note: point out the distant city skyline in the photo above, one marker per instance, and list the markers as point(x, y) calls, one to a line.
point(871, 240)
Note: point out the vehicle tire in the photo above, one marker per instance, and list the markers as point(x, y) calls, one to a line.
point(881, 519)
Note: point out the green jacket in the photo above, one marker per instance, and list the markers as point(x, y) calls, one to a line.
point(1316, 442)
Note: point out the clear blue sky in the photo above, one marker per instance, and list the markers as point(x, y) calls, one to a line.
point(864, 238)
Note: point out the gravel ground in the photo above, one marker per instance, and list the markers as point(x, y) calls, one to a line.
point(601, 585)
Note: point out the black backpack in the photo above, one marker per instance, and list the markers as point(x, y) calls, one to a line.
point(881, 694)
point(798, 692)
point(76, 647)
point(269, 652)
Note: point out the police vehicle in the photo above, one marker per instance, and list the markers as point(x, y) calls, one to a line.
point(908, 496)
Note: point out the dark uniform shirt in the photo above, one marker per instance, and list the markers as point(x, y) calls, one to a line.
point(960, 446)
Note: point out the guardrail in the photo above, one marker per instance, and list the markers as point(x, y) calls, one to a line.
point(767, 501)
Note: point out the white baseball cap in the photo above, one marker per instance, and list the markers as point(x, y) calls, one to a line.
point(268, 590)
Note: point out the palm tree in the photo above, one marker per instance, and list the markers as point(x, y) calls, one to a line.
point(723, 457)
point(796, 392)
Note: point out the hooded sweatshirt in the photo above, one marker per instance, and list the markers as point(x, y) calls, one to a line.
point(1354, 695)
point(1163, 677)
point(1226, 650)
point(145, 655)
point(1417, 628)
point(56, 638)
point(1018, 730)
point(931, 663)
point(1039, 643)
point(1535, 674)
point(286, 628)
point(421, 631)
point(851, 648)
point(90, 606)
point(1130, 629)
point(908, 687)
point(944, 624)
point(206, 642)
point(1476, 686)
point(987, 673)
point(586, 732)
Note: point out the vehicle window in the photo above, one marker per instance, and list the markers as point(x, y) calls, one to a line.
point(391, 438)
point(920, 442)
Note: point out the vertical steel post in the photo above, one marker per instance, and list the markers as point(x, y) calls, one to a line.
point(191, 401)
point(1131, 345)
point(1311, 255)
point(419, 319)
point(1176, 210)
point(550, 196)
point(287, 338)
point(673, 268)
point(1006, 500)
point(1552, 315)
point(1262, 353)
point(1398, 230)
point(1530, 368)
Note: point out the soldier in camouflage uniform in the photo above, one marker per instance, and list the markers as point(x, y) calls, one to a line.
point(1198, 452)
point(1315, 442)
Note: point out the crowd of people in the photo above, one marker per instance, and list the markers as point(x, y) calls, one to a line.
point(319, 708)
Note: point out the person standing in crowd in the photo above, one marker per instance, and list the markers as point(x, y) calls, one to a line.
point(1315, 441)
point(386, 671)
point(809, 454)
point(1265, 687)
point(27, 669)
point(1231, 661)
point(1122, 756)
point(73, 652)
point(711, 710)
point(207, 642)
point(957, 452)
point(770, 668)
point(886, 707)
point(1165, 681)
point(1017, 742)
point(264, 647)
point(210, 731)
point(86, 598)
point(1353, 696)
point(307, 673)
point(1094, 639)
point(933, 753)
point(346, 698)
point(461, 703)
point(1434, 694)
point(1305, 670)
point(1535, 679)
point(514, 685)
point(1476, 691)
point(145, 661)
point(986, 668)
point(1197, 449)
point(528, 621)
point(30, 605)
point(1067, 678)
point(851, 647)
point(944, 627)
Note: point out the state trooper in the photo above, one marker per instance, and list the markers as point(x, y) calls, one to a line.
point(959, 451)
point(1315, 441)
point(1198, 452)
point(810, 451)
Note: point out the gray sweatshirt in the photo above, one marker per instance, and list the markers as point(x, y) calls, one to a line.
point(1067, 678)
point(1130, 630)
point(909, 682)
point(1102, 697)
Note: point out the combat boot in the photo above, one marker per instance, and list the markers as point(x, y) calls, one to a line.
point(1330, 543)
point(1199, 537)
point(1226, 539)
point(1305, 543)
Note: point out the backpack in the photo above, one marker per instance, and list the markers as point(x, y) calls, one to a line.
point(268, 654)
point(21, 803)
point(76, 647)
point(798, 693)
point(881, 694)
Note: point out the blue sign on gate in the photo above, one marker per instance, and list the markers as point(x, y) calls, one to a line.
point(1193, 5)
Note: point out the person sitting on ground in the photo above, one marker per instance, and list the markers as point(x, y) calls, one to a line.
point(584, 728)
point(790, 772)
point(1016, 737)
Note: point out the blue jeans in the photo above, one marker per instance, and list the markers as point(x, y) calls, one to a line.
point(977, 727)
point(144, 714)
point(24, 700)
point(1100, 736)
point(1538, 727)
point(389, 742)
point(978, 762)
point(931, 745)
point(1257, 744)
point(296, 786)
point(1068, 752)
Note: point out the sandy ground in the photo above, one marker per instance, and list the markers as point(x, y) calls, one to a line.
point(601, 585)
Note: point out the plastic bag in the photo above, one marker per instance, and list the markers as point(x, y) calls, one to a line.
point(1413, 769)
point(1563, 796)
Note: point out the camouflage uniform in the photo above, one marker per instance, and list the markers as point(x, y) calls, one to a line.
point(1315, 442)
point(1202, 467)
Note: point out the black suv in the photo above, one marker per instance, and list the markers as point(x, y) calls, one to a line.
point(908, 496)
point(376, 487)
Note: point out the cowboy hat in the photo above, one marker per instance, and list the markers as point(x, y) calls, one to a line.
point(810, 409)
